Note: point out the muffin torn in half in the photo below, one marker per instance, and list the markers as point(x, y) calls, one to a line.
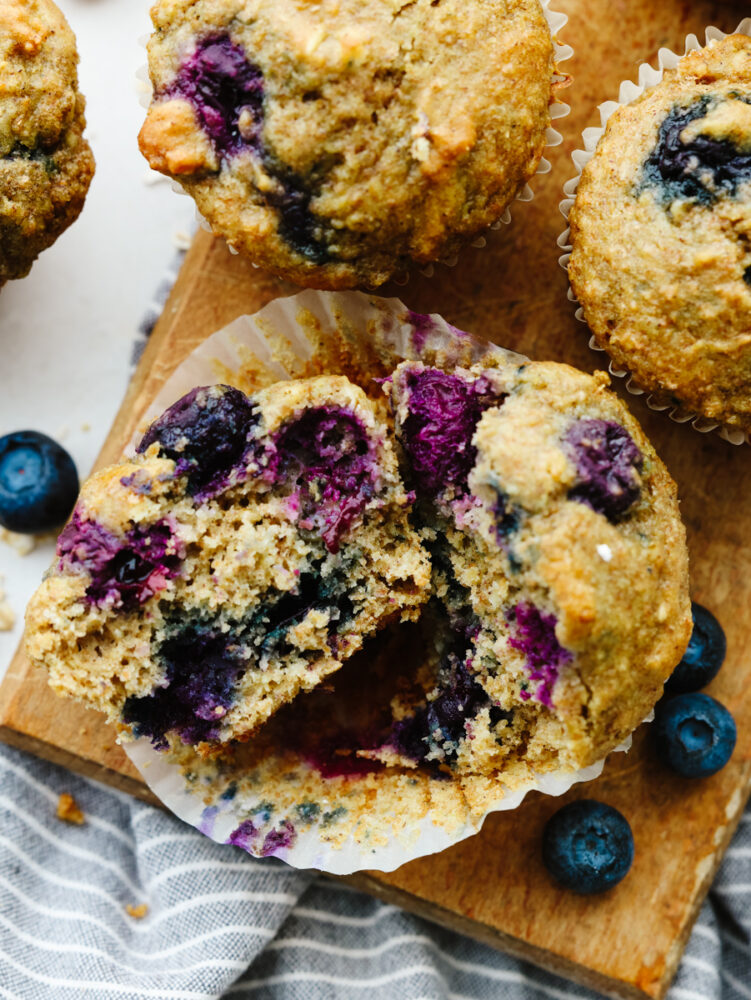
point(559, 569)
point(240, 557)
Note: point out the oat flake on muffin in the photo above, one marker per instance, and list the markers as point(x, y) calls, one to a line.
point(336, 143)
point(46, 165)
point(661, 235)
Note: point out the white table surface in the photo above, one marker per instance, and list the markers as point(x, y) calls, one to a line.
point(67, 330)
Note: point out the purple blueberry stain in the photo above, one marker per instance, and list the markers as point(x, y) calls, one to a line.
point(297, 225)
point(204, 659)
point(269, 625)
point(435, 730)
point(507, 517)
point(608, 464)
point(207, 433)
point(701, 169)
point(535, 637)
point(333, 753)
point(275, 841)
point(443, 413)
point(229, 792)
point(139, 482)
point(325, 455)
point(422, 326)
point(202, 665)
point(125, 571)
point(208, 820)
point(333, 816)
point(243, 835)
point(226, 91)
point(278, 840)
point(87, 545)
point(308, 812)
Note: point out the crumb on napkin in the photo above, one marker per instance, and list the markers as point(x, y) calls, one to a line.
point(69, 811)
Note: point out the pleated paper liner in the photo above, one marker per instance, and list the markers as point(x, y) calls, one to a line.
point(647, 77)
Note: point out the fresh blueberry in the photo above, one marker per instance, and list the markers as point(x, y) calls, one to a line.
point(38, 482)
point(703, 658)
point(587, 846)
point(695, 734)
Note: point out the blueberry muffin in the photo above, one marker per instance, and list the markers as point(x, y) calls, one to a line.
point(560, 580)
point(661, 235)
point(46, 165)
point(239, 558)
point(335, 143)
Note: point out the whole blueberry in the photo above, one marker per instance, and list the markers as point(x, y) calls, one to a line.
point(38, 482)
point(608, 463)
point(587, 846)
point(703, 657)
point(206, 433)
point(695, 734)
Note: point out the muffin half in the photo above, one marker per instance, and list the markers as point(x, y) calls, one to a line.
point(242, 556)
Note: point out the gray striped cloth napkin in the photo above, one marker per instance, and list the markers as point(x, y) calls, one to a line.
point(221, 924)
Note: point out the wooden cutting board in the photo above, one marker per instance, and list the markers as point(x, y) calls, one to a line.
point(493, 886)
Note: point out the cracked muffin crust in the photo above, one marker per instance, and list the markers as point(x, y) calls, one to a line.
point(560, 571)
point(46, 165)
point(335, 143)
point(661, 235)
point(241, 557)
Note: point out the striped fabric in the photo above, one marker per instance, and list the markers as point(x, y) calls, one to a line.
point(220, 924)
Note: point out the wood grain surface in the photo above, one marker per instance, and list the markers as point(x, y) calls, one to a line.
point(493, 886)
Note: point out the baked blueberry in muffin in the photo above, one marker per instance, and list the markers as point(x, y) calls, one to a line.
point(241, 556)
point(46, 165)
point(559, 568)
point(661, 258)
point(336, 143)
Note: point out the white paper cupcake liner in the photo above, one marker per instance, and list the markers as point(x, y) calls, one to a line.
point(277, 343)
point(561, 52)
point(647, 77)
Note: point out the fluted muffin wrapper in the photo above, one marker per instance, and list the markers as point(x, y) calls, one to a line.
point(628, 92)
point(561, 52)
point(281, 341)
